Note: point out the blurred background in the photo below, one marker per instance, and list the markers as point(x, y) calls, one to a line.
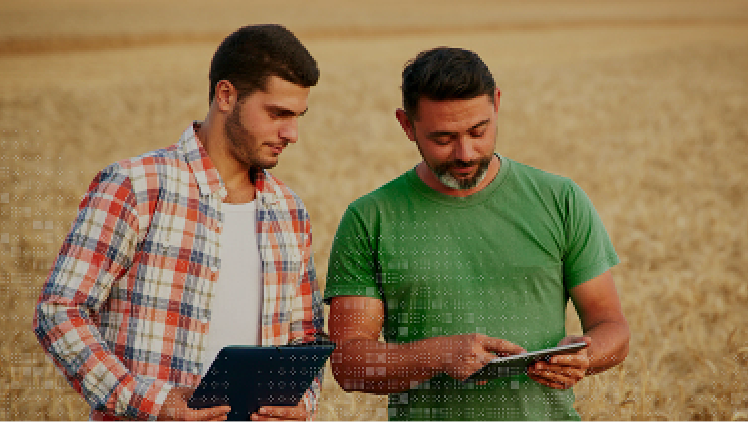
point(643, 103)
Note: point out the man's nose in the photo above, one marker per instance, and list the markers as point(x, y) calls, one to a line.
point(464, 150)
point(290, 131)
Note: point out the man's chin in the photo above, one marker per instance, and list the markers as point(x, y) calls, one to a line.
point(263, 164)
point(462, 177)
point(267, 165)
point(462, 182)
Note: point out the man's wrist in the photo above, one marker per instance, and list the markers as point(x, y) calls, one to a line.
point(158, 403)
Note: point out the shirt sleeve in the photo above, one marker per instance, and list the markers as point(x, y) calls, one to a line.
point(98, 250)
point(353, 267)
point(313, 320)
point(589, 250)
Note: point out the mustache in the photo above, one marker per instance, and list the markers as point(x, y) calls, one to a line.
point(443, 167)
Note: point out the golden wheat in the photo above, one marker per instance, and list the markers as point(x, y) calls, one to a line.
point(644, 104)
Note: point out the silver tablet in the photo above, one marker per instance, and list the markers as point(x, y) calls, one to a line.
point(507, 366)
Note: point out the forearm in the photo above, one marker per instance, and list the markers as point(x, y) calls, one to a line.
point(77, 348)
point(603, 321)
point(610, 345)
point(375, 367)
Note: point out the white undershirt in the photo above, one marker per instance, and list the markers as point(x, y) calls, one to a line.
point(237, 304)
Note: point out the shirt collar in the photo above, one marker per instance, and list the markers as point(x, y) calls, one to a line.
point(266, 188)
point(206, 174)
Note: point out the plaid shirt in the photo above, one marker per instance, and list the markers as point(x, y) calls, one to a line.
point(126, 306)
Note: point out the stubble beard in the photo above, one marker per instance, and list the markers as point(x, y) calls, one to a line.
point(442, 173)
point(241, 141)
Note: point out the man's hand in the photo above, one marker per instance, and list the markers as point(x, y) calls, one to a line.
point(565, 370)
point(285, 413)
point(175, 408)
point(465, 354)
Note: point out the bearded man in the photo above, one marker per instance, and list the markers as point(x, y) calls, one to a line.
point(181, 251)
point(467, 256)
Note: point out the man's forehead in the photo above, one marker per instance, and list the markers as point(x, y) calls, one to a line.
point(460, 112)
point(283, 94)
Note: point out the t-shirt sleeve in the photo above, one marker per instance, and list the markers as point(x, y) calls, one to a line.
point(352, 268)
point(589, 250)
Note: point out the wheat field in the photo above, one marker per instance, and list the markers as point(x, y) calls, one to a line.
point(643, 103)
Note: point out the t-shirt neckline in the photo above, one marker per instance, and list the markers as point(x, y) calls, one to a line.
point(459, 201)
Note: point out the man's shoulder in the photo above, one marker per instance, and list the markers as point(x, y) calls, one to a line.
point(180, 155)
point(538, 177)
point(142, 172)
point(391, 193)
point(168, 156)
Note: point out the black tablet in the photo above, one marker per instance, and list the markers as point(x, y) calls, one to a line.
point(517, 364)
point(249, 377)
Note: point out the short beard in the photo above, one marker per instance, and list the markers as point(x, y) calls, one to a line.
point(238, 136)
point(442, 173)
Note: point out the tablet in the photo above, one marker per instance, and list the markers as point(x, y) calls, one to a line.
point(508, 366)
point(249, 377)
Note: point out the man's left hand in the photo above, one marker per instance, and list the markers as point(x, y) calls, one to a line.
point(281, 413)
point(565, 370)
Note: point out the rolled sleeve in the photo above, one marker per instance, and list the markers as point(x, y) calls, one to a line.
point(97, 251)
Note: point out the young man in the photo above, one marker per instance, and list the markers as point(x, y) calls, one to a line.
point(183, 250)
point(464, 257)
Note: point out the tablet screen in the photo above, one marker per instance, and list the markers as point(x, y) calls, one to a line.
point(249, 377)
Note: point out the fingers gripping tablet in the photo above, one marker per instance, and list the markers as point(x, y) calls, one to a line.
point(507, 366)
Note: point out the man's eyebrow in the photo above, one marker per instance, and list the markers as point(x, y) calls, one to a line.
point(481, 123)
point(286, 111)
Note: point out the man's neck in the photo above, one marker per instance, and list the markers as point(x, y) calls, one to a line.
point(236, 177)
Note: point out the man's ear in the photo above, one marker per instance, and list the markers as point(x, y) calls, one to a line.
point(497, 95)
point(225, 96)
point(405, 123)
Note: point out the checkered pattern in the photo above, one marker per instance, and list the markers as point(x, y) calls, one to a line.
point(126, 306)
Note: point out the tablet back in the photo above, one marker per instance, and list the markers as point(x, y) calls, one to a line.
point(248, 377)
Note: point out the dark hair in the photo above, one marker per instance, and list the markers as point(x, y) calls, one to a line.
point(445, 73)
point(251, 54)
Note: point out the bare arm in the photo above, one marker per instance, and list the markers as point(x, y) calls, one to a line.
point(605, 331)
point(362, 363)
point(602, 319)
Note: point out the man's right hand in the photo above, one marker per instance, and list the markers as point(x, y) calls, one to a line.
point(464, 354)
point(175, 408)
point(361, 362)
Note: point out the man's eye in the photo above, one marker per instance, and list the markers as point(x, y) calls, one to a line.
point(442, 140)
point(478, 133)
point(281, 114)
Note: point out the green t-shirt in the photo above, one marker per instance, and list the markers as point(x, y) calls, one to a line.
point(499, 262)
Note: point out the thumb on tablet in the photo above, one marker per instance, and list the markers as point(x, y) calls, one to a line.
point(575, 339)
point(502, 347)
